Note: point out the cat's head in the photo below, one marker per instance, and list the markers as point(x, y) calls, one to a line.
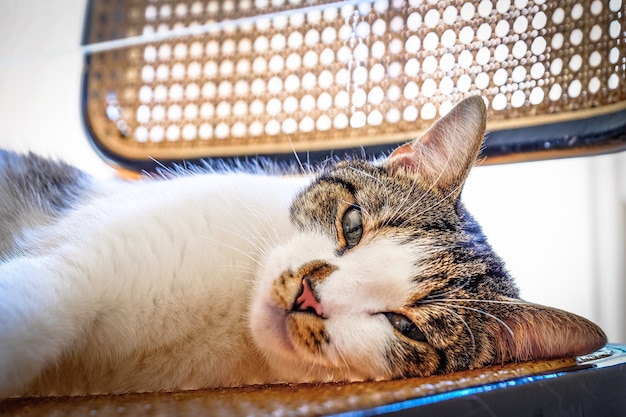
point(389, 276)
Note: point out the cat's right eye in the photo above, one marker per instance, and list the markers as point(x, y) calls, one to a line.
point(352, 226)
point(406, 327)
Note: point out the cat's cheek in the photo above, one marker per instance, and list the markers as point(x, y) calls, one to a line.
point(409, 360)
point(360, 343)
point(376, 277)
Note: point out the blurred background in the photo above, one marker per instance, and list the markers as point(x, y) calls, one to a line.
point(560, 225)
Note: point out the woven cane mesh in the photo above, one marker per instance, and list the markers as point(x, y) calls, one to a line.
point(219, 78)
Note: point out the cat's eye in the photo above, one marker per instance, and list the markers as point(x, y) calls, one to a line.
point(405, 326)
point(352, 226)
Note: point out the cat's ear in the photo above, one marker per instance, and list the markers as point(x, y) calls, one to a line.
point(534, 331)
point(445, 153)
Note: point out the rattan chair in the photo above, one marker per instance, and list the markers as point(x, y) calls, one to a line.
point(187, 79)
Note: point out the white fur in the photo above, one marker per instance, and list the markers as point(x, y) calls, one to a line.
point(130, 273)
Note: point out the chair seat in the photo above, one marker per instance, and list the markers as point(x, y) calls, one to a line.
point(591, 385)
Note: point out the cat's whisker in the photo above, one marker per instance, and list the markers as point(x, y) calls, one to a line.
point(259, 247)
point(226, 245)
point(400, 208)
point(243, 269)
point(245, 206)
point(356, 206)
point(266, 221)
point(443, 169)
point(437, 295)
point(312, 368)
point(417, 202)
point(477, 310)
point(295, 154)
point(469, 330)
point(438, 203)
point(397, 213)
point(264, 240)
point(247, 278)
point(384, 187)
point(163, 167)
point(344, 360)
point(512, 302)
point(258, 241)
point(432, 186)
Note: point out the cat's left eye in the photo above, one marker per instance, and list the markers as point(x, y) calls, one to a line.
point(352, 226)
point(405, 326)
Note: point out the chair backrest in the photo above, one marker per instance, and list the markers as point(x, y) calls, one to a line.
point(190, 79)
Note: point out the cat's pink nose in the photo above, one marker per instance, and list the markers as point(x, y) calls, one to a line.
point(307, 300)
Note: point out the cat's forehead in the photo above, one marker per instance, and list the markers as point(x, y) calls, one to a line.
point(356, 169)
point(357, 175)
point(352, 182)
point(367, 185)
point(370, 182)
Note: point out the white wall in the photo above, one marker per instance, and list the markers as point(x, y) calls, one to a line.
point(560, 225)
point(40, 80)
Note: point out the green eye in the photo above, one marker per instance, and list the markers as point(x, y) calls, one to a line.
point(352, 226)
point(405, 326)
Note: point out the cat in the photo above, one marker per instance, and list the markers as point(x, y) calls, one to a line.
point(365, 270)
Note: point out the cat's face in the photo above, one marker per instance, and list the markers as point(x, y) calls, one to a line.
point(388, 276)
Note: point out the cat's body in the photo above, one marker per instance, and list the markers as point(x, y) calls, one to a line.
point(178, 256)
point(366, 271)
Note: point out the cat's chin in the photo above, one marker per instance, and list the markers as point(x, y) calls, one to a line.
point(268, 324)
